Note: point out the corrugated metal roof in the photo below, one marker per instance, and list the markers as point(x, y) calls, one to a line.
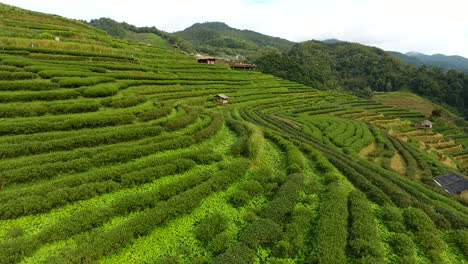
point(427, 122)
point(206, 58)
point(453, 182)
point(223, 96)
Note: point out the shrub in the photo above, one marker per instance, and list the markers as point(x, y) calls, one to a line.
point(48, 74)
point(240, 146)
point(209, 227)
point(239, 198)
point(84, 140)
point(295, 237)
point(220, 243)
point(39, 109)
point(417, 220)
point(285, 199)
point(256, 141)
point(41, 95)
point(332, 225)
point(39, 68)
point(73, 108)
point(183, 120)
point(156, 113)
point(461, 240)
point(36, 85)
point(10, 68)
point(6, 75)
point(455, 219)
point(430, 242)
point(402, 245)
point(17, 62)
point(364, 242)
point(428, 236)
point(101, 90)
point(45, 124)
point(127, 101)
point(211, 129)
point(13, 251)
point(391, 213)
point(74, 82)
point(21, 110)
point(261, 232)
point(239, 254)
point(396, 227)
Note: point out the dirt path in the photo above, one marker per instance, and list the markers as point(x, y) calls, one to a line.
point(449, 162)
point(398, 164)
point(366, 150)
point(288, 121)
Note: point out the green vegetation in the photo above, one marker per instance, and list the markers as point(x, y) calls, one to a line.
point(361, 70)
point(436, 60)
point(219, 39)
point(115, 153)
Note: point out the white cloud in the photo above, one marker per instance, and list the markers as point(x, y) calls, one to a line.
point(427, 26)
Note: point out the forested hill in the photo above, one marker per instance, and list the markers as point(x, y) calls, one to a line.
point(362, 69)
point(437, 60)
point(147, 35)
point(219, 39)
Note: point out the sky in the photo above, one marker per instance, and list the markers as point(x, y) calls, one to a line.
point(427, 26)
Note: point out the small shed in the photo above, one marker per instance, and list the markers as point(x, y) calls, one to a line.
point(452, 182)
point(207, 60)
point(176, 46)
point(423, 124)
point(221, 99)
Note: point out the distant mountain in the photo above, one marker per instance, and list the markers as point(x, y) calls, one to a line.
point(216, 38)
point(439, 60)
point(332, 41)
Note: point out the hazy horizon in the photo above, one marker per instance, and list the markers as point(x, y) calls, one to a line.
point(421, 26)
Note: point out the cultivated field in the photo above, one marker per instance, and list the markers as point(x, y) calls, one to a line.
point(114, 152)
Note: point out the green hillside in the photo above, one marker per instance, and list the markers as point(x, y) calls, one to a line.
point(145, 35)
point(113, 151)
point(362, 69)
point(218, 39)
point(436, 60)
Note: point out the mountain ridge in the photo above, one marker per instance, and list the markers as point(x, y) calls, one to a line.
point(219, 39)
point(447, 62)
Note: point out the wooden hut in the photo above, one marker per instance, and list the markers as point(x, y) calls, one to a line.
point(423, 124)
point(221, 99)
point(453, 183)
point(207, 60)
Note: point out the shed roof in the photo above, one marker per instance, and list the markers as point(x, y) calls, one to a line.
point(426, 122)
point(206, 58)
point(222, 96)
point(453, 182)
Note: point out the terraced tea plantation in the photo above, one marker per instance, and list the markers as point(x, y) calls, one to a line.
point(114, 152)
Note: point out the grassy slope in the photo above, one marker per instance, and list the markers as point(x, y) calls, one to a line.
point(413, 102)
point(112, 146)
point(147, 38)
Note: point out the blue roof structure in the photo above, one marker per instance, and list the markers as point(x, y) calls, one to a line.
point(453, 182)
